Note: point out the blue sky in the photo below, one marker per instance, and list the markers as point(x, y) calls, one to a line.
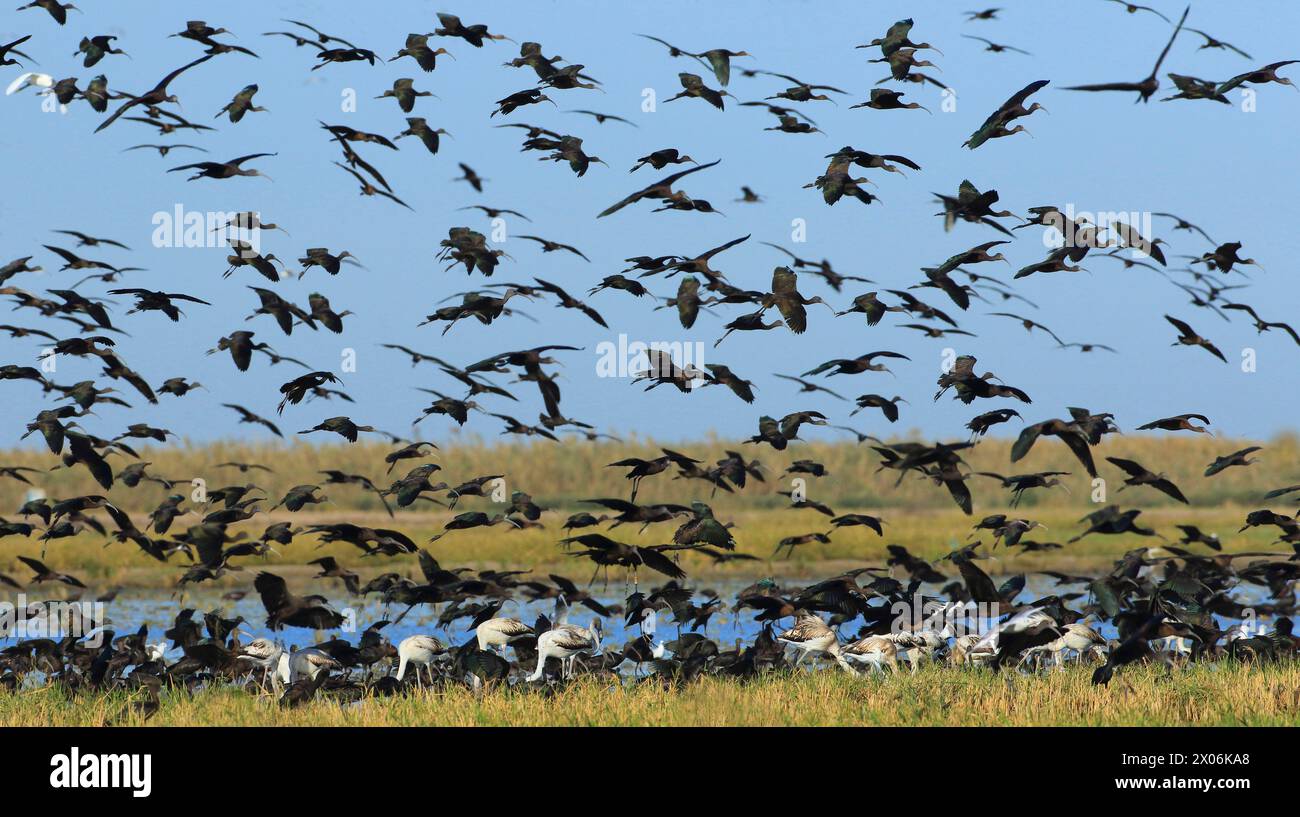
point(1229, 171)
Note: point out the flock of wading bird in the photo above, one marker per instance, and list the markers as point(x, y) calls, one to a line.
point(1157, 601)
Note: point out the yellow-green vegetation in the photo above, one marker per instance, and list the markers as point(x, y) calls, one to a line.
point(561, 474)
point(927, 533)
point(917, 513)
point(1217, 694)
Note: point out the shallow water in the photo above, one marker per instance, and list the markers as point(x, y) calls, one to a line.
point(158, 610)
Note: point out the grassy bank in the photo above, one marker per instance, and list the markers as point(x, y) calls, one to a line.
point(1211, 695)
point(917, 514)
point(928, 533)
point(562, 474)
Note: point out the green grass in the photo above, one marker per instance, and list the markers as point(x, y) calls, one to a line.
point(1218, 694)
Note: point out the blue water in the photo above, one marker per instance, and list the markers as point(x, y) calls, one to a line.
point(158, 610)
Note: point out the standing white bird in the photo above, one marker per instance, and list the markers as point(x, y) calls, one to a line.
point(1083, 639)
point(967, 649)
point(266, 655)
point(566, 642)
point(1077, 636)
point(1030, 621)
point(419, 651)
point(875, 652)
point(1050, 651)
point(310, 663)
point(919, 644)
point(498, 632)
point(811, 636)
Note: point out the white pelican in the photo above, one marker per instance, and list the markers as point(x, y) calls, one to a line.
point(809, 636)
point(418, 650)
point(566, 642)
